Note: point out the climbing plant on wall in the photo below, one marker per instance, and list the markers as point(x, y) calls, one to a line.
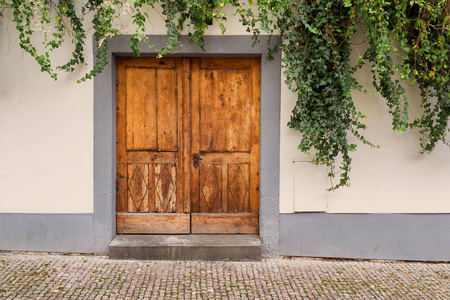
point(408, 44)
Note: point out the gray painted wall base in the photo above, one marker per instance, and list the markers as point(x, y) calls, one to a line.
point(47, 232)
point(186, 247)
point(421, 237)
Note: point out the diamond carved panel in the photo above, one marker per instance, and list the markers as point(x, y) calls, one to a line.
point(138, 188)
point(165, 188)
point(238, 191)
point(211, 188)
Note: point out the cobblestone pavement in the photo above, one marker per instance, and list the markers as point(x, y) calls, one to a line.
point(46, 276)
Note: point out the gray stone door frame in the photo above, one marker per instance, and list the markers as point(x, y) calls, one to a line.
point(105, 131)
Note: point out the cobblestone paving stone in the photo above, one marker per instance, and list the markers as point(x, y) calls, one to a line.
point(48, 276)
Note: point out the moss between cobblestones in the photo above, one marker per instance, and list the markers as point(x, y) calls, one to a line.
point(81, 277)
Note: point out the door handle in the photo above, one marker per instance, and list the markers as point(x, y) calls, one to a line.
point(196, 159)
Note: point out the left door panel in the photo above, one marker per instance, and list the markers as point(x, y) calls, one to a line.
point(149, 187)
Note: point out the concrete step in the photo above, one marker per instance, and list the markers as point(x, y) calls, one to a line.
point(186, 247)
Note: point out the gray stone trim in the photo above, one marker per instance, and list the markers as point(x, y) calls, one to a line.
point(47, 232)
point(105, 124)
point(422, 237)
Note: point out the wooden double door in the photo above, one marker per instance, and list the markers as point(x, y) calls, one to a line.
point(187, 145)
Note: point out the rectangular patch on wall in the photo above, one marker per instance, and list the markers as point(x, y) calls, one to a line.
point(310, 184)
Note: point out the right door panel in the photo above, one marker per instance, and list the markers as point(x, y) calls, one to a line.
point(225, 105)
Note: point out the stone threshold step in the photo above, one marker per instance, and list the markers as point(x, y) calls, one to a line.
point(187, 247)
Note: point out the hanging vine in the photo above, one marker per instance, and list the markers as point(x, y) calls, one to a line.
point(408, 44)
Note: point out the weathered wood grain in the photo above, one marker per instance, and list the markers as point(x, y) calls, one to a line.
point(151, 157)
point(224, 188)
point(225, 157)
point(224, 111)
point(166, 110)
point(210, 188)
point(170, 109)
point(141, 107)
point(149, 62)
point(184, 91)
point(137, 187)
point(151, 187)
point(224, 223)
point(225, 132)
point(121, 150)
point(180, 164)
point(195, 133)
point(225, 63)
point(255, 134)
point(165, 188)
point(121, 187)
point(128, 223)
point(238, 188)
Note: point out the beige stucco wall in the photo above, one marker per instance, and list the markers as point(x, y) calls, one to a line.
point(46, 135)
point(46, 146)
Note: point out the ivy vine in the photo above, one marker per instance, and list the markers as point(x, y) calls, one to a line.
point(408, 44)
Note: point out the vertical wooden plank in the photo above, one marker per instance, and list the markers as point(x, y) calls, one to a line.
point(151, 188)
point(195, 128)
point(184, 83)
point(178, 93)
point(218, 116)
point(212, 118)
point(231, 100)
point(144, 202)
point(225, 188)
point(121, 187)
point(172, 168)
point(165, 188)
point(237, 104)
point(255, 134)
point(121, 151)
point(241, 110)
point(137, 188)
point(141, 109)
point(166, 119)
